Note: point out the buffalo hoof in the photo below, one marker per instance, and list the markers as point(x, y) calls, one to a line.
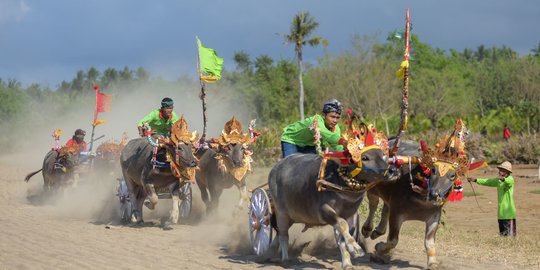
point(375, 234)
point(149, 204)
point(366, 231)
point(436, 266)
point(167, 226)
point(355, 250)
point(379, 258)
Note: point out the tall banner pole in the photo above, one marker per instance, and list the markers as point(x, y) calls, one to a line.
point(202, 96)
point(404, 69)
point(96, 88)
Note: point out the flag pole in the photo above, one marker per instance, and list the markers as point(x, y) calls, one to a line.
point(202, 95)
point(96, 88)
point(405, 89)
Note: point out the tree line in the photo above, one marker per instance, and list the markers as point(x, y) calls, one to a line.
point(487, 87)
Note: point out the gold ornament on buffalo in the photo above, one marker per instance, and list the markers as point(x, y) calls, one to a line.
point(74, 150)
point(180, 132)
point(451, 150)
point(232, 133)
point(363, 137)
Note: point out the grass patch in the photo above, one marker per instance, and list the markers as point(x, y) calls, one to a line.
point(471, 194)
point(536, 191)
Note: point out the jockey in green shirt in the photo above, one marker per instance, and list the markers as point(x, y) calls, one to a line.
point(298, 137)
point(160, 120)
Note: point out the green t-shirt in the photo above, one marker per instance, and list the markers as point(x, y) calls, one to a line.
point(157, 123)
point(299, 134)
point(505, 195)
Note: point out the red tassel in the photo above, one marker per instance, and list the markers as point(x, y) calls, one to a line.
point(455, 196)
point(369, 139)
point(347, 122)
point(96, 87)
point(349, 111)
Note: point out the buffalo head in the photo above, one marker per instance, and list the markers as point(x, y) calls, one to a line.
point(182, 144)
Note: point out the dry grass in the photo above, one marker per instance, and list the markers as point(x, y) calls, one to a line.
point(475, 244)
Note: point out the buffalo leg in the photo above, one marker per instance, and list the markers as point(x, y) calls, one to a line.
point(283, 224)
point(345, 255)
point(243, 198)
point(152, 198)
point(136, 199)
point(341, 228)
point(373, 204)
point(383, 249)
point(175, 194)
point(140, 197)
point(215, 193)
point(431, 229)
point(381, 228)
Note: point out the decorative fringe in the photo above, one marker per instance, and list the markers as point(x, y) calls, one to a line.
point(401, 72)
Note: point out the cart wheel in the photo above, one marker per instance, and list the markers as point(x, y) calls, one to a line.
point(260, 227)
point(186, 202)
point(125, 202)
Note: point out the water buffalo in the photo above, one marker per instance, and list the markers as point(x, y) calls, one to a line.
point(225, 165)
point(58, 168)
point(298, 196)
point(419, 194)
point(143, 178)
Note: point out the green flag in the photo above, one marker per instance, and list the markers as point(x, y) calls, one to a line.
point(209, 63)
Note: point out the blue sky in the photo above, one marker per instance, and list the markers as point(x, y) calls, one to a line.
point(49, 41)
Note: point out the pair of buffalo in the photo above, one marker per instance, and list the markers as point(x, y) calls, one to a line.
point(417, 191)
point(61, 166)
point(220, 166)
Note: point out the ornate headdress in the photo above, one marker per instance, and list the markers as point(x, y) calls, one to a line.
point(450, 149)
point(363, 137)
point(232, 133)
point(74, 149)
point(180, 132)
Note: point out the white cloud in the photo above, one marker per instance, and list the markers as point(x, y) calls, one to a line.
point(13, 10)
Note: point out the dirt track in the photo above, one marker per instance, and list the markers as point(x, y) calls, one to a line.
point(72, 233)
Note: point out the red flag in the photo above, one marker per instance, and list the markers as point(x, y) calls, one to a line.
point(103, 102)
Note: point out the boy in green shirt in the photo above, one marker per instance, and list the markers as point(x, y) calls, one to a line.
point(298, 138)
point(505, 193)
point(160, 120)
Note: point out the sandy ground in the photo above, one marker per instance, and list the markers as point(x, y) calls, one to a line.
point(79, 231)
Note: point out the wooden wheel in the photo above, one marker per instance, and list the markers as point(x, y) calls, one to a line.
point(260, 226)
point(186, 200)
point(125, 202)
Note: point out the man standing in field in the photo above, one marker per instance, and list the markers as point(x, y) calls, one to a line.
point(505, 193)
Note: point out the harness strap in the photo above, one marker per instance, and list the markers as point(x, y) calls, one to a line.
point(358, 169)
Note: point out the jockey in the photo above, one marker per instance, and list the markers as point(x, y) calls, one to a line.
point(78, 140)
point(160, 120)
point(298, 137)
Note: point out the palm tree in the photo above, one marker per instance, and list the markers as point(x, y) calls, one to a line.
point(302, 26)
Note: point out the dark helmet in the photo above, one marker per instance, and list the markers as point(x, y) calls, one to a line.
point(332, 105)
point(80, 132)
point(167, 102)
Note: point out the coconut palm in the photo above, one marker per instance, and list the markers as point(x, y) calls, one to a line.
point(302, 27)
